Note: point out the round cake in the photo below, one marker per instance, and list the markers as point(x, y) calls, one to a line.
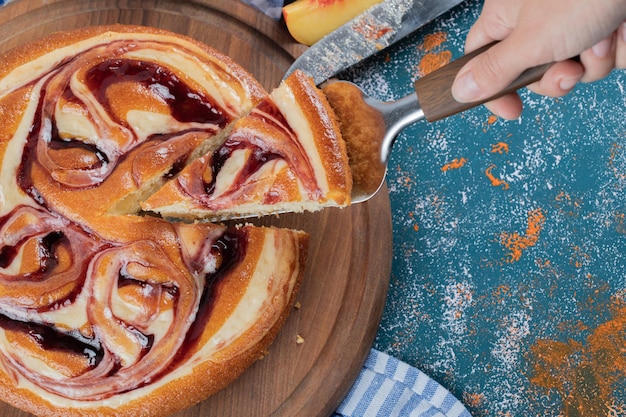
point(105, 310)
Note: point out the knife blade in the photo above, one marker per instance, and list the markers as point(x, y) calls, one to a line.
point(372, 31)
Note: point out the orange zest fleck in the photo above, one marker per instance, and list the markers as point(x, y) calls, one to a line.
point(616, 151)
point(416, 226)
point(579, 257)
point(500, 148)
point(584, 373)
point(433, 61)
point(474, 400)
point(620, 223)
point(382, 32)
point(433, 40)
point(516, 243)
point(371, 29)
point(455, 164)
point(496, 182)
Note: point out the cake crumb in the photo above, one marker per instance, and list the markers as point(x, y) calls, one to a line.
point(299, 339)
point(297, 305)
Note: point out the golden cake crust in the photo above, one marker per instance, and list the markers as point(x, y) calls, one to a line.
point(328, 137)
point(363, 129)
point(26, 53)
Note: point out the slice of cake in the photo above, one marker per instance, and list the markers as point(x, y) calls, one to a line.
point(286, 155)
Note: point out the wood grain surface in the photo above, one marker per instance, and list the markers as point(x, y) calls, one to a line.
point(345, 284)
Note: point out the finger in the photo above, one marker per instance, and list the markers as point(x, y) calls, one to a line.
point(559, 79)
point(494, 23)
point(620, 48)
point(599, 60)
point(507, 107)
point(488, 73)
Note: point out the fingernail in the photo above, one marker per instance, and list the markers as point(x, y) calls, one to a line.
point(568, 83)
point(624, 31)
point(602, 48)
point(465, 88)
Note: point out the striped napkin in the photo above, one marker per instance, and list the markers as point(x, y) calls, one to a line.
point(272, 8)
point(387, 387)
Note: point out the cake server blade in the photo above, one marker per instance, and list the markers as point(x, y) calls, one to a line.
point(431, 101)
point(375, 29)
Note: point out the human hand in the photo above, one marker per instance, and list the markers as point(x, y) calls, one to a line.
point(535, 32)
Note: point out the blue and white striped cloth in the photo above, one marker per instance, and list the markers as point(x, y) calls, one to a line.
point(387, 387)
point(272, 8)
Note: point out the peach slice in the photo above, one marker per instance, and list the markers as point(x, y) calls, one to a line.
point(310, 20)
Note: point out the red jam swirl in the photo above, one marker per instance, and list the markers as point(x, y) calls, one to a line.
point(259, 157)
point(186, 105)
point(48, 263)
point(107, 373)
point(94, 161)
point(264, 148)
point(230, 248)
point(50, 281)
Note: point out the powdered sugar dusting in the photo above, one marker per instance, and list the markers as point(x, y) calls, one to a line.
point(517, 248)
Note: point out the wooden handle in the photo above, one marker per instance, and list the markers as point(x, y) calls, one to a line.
point(434, 89)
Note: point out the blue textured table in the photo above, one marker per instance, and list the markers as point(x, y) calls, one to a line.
point(508, 281)
point(508, 285)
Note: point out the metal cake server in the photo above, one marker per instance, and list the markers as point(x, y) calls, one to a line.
point(432, 101)
point(375, 29)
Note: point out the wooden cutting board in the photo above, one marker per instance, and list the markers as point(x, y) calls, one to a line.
point(345, 284)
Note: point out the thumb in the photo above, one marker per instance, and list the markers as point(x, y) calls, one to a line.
point(488, 73)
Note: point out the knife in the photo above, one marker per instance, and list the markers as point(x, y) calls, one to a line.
point(375, 29)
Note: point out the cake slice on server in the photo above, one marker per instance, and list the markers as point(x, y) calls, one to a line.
point(286, 155)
